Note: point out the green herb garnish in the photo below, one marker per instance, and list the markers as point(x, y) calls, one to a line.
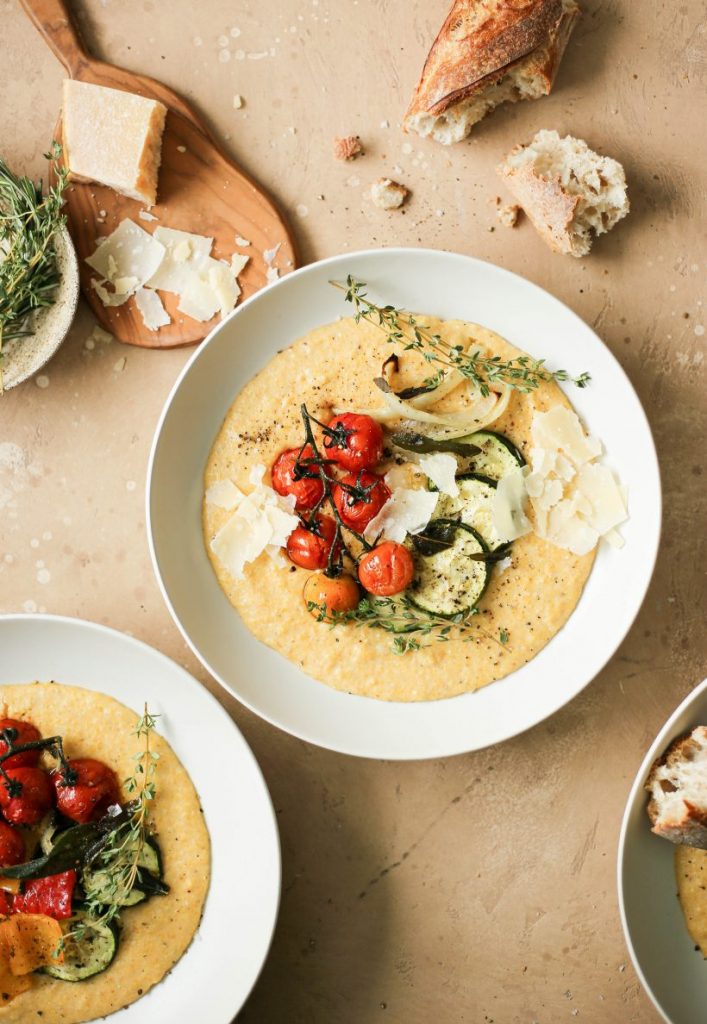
point(117, 862)
point(522, 373)
point(29, 223)
point(407, 623)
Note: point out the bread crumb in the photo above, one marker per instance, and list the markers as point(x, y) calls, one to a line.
point(347, 147)
point(237, 101)
point(388, 194)
point(508, 215)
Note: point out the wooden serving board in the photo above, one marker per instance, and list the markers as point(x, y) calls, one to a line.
point(200, 190)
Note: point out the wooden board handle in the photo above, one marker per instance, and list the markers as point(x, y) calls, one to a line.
point(54, 21)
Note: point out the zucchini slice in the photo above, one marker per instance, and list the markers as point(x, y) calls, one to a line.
point(497, 457)
point(151, 857)
point(99, 885)
point(90, 954)
point(472, 506)
point(447, 582)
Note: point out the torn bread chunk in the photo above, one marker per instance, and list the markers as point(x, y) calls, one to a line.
point(113, 138)
point(388, 194)
point(508, 215)
point(677, 785)
point(569, 192)
point(488, 52)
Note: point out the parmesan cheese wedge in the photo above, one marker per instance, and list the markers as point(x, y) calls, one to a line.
point(113, 137)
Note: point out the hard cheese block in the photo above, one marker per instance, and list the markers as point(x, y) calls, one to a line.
point(114, 138)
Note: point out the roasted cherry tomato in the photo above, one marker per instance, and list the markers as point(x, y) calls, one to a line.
point(386, 570)
point(34, 799)
point(26, 733)
point(50, 896)
point(287, 478)
point(95, 790)
point(326, 595)
point(357, 510)
point(310, 550)
point(12, 846)
point(356, 442)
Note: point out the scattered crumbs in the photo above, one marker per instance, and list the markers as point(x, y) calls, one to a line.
point(407, 148)
point(397, 169)
point(223, 41)
point(130, 485)
point(575, 1012)
point(102, 213)
point(43, 576)
point(388, 194)
point(290, 130)
point(439, 213)
point(198, 41)
point(240, 54)
point(320, 197)
point(119, 366)
point(237, 101)
point(622, 968)
point(699, 330)
point(181, 149)
point(270, 254)
point(146, 215)
point(47, 535)
point(34, 543)
point(272, 274)
point(508, 215)
point(302, 210)
point(9, 558)
point(42, 381)
point(568, 994)
point(353, 181)
point(224, 56)
point(29, 606)
point(240, 240)
point(235, 32)
point(99, 334)
point(385, 124)
point(347, 147)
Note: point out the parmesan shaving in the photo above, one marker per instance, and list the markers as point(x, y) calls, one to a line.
point(441, 468)
point(127, 253)
point(153, 313)
point(406, 512)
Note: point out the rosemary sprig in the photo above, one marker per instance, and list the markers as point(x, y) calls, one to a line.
point(29, 222)
point(522, 373)
point(117, 862)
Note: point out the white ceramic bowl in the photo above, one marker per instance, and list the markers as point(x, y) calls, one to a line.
point(452, 286)
point(23, 357)
point(673, 974)
point(214, 977)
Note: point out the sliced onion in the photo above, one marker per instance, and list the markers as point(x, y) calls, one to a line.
point(450, 382)
point(451, 424)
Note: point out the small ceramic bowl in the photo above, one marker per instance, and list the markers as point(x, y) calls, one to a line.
point(672, 972)
point(23, 357)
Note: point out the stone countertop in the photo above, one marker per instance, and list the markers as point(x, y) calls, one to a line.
point(479, 888)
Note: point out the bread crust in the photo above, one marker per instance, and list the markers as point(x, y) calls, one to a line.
point(480, 40)
point(691, 828)
point(545, 202)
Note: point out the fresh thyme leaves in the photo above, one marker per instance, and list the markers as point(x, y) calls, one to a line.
point(397, 616)
point(29, 222)
point(402, 328)
point(504, 636)
point(114, 870)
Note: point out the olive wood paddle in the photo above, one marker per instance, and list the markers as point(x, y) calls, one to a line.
point(200, 190)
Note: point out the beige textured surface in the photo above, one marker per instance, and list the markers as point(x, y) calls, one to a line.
point(481, 888)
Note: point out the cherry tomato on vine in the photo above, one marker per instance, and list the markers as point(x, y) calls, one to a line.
point(95, 790)
point(12, 846)
point(326, 595)
point(33, 801)
point(286, 480)
point(358, 509)
point(357, 442)
point(386, 570)
point(26, 733)
point(310, 550)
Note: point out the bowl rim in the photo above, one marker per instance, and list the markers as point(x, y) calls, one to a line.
point(417, 251)
point(663, 738)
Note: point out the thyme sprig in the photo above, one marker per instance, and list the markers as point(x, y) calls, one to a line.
point(29, 223)
point(522, 373)
point(117, 862)
point(409, 626)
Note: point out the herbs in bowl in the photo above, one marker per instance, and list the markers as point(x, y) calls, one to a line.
point(104, 853)
point(38, 272)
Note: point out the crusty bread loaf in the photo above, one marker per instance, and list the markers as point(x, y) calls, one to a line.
point(569, 192)
point(488, 52)
point(677, 784)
